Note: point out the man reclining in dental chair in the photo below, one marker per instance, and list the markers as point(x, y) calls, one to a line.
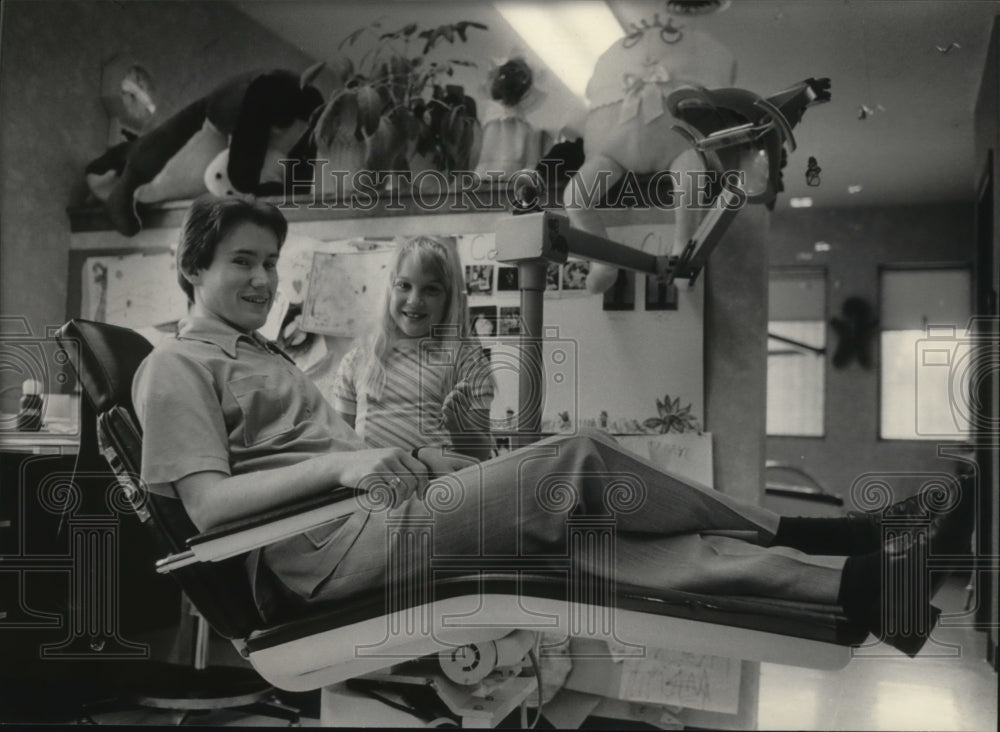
point(233, 428)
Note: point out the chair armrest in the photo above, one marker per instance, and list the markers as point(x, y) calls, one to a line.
point(244, 535)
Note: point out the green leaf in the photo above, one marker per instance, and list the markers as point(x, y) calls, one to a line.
point(307, 76)
point(339, 119)
point(370, 106)
point(462, 25)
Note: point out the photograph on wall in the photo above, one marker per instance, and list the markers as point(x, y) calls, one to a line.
point(621, 295)
point(507, 279)
point(659, 294)
point(574, 276)
point(510, 321)
point(483, 320)
point(479, 279)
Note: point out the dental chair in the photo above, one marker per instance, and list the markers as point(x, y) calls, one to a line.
point(466, 610)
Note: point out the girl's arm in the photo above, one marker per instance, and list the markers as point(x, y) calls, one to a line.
point(469, 426)
point(466, 409)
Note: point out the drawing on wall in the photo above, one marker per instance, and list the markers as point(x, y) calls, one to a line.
point(345, 291)
point(295, 263)
point(479, 279)
point(510, 321)
point(507, 279)
point(574, 276)
point(483, 320)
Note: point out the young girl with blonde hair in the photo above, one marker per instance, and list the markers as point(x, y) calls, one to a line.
point(420, 379)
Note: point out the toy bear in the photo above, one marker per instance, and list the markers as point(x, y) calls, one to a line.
point(227, 142)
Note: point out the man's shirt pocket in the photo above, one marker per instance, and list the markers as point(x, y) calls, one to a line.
point(265, 411)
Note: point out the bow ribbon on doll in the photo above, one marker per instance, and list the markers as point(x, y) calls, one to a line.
point(644, 93)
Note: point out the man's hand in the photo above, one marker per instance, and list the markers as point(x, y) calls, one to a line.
point(441, 460)
point(390, 467)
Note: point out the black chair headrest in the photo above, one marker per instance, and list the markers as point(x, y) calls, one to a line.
point(108, 358)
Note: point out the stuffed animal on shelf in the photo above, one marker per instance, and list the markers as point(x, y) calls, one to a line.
point(227, 142)
point(659, 102)
point(510, 142)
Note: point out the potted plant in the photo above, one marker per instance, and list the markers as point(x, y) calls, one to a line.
point(392, 109)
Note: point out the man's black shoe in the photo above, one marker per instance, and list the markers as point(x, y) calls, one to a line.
point(947, 511)
point(901, 614)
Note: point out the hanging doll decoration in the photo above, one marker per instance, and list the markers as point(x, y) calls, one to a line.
point(510, 142)
point(659, 102)
point(856, 330)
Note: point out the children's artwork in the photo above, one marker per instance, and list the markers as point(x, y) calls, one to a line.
point(574, 276)
point(621, 295)
point(133, 291)
point(510, 321)
point(659, 294)
point(483, 320)
point(677, 678)
point(479, 279)
point(345, 291)
point(507, 279)
point(294, 265)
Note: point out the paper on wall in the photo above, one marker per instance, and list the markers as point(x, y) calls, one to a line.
point(294, 263)
point(345, 291)
point(133, 291)
point(684, 454)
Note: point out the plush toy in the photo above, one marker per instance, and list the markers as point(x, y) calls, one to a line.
point(656, 106)
point(510, 142)
point(228, 142)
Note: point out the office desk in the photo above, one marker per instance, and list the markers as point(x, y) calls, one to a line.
point(42, 442)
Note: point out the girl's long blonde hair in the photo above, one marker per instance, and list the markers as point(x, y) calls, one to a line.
point(435, 254)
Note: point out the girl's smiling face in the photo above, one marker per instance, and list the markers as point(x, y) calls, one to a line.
point(418, 299)
point(240, 283)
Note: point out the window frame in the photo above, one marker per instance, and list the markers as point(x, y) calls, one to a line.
point(929, 266)
point(808, 269)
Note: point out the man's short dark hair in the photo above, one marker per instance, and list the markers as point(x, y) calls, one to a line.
point(208, 221)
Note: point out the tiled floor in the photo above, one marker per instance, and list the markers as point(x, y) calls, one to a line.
point(949, 686)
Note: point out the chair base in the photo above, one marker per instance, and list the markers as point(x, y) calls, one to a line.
point(184, 689)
